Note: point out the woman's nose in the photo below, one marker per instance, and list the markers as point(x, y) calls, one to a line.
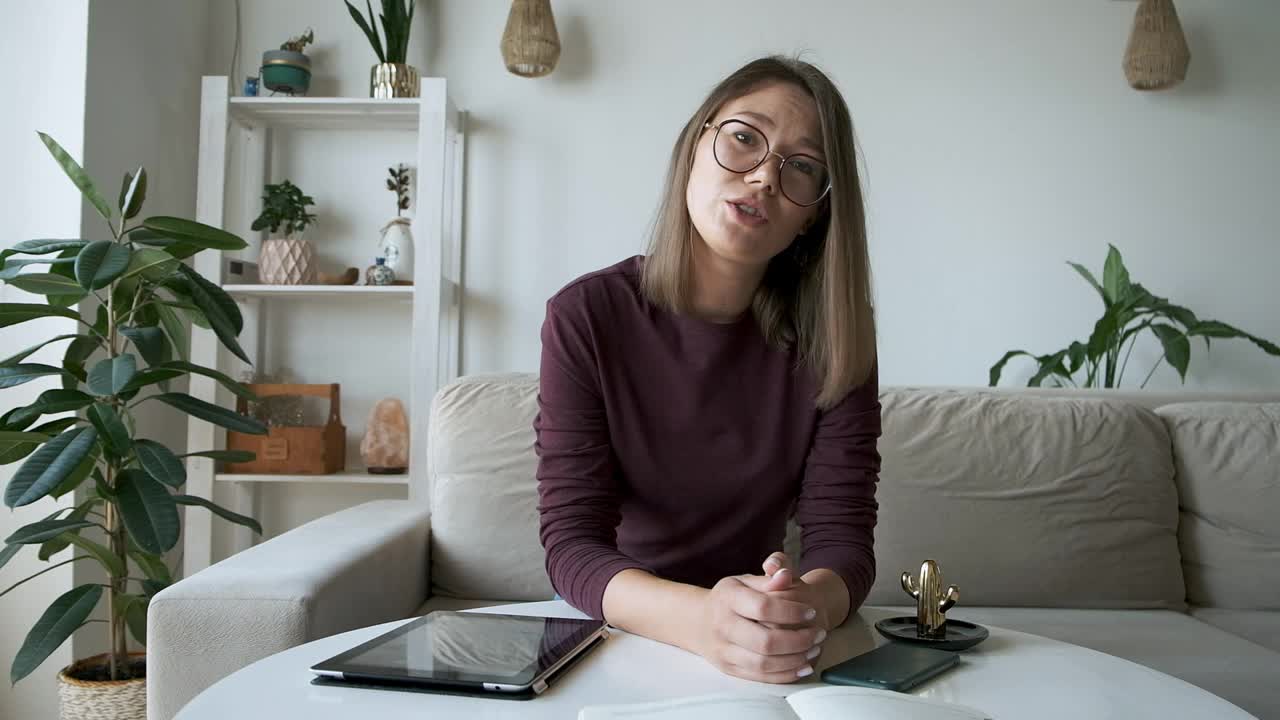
point(766, 173)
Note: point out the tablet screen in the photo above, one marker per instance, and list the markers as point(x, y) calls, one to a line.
point(467, 647)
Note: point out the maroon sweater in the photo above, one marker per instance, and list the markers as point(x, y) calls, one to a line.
point(680, 447)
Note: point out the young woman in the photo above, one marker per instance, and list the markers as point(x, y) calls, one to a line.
point(692, 400)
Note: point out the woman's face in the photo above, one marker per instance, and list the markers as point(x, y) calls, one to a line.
point(718, 198)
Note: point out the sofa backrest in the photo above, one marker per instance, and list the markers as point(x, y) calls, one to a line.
point(1227, 457)
point(1079, 484)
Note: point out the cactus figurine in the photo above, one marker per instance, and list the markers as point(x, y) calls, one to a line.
point(931, 602)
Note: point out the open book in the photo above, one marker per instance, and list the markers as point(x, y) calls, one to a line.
point(824, 703)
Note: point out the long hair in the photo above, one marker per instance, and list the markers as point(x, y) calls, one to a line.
point(816, 293)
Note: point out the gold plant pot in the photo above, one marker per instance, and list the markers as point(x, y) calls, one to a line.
point(393, 80)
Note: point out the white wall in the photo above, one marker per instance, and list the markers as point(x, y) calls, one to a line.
point(36, 201)
point(1000, 139)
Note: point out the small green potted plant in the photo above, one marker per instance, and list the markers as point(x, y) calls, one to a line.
point(287, 260)
point(1129, 310)
point(121, 352)
point(392, 77)
point(288, 70)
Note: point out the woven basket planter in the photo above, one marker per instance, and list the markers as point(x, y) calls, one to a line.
point(101, 699)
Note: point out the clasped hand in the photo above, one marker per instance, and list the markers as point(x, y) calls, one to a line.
point(767, 628)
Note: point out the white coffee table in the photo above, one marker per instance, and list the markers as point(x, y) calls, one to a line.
point(1010, 675)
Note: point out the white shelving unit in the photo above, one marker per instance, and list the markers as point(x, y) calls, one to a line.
point(432, 358)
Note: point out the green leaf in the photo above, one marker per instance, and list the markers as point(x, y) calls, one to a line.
point(994, 375)
point(13, 266)
point(149, 511)
point(48, 403)
point(110, 428)
point(24, 373)
point(1049, 365)
point(191, 311)
point(1216, 329)
point(7, 553)
point(101, 262)
point(111, 375)
point(44, 247)
point(160, 463)
point(77, 175)
point(109, 561)
point(133, 191)
point(38, 532)
point(134, 611)
point(223, 315)
point(369, 32)
point(1115, 278)
point(1103, 336)
point(198, 234)
point(152, 565)
point(47, 284)
point(77, 476)
point(19, 357)
point(154, 265)
point(151, 376)
point(48, 466)
point(78, 352)
point(1177, 349)
point(221, 512)
point(63, 617)
point(149, 341)
point(58, 544)
point(209, 412)
point(238, 389)
point(231, 456)
point(174, 328)
point(14, 313)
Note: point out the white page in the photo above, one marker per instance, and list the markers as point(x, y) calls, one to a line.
point(854, 703)
point(703, 707)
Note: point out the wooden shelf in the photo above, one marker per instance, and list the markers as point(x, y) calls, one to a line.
point(354, 476)
point(326, 113)
point(404, 292)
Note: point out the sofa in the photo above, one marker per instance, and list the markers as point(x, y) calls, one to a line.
point(1140, 524)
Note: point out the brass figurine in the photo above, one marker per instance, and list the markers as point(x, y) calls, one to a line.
point(931, 602)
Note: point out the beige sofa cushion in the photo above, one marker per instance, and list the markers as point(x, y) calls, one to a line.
point(1028, 501)
point(484, 490)
point(1227, 458)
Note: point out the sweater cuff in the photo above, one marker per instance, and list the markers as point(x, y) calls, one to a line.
point(586, 591)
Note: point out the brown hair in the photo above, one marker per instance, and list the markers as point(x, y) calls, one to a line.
point(817, 292)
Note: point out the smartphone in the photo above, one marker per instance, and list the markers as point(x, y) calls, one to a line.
point(896, 666)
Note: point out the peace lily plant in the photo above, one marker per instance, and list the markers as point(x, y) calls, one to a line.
point(127, 346)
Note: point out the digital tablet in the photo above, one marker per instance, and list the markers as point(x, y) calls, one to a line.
point(466, 651)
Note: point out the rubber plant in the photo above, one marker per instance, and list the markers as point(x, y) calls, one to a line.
point(1128, 311)
point(126, 348)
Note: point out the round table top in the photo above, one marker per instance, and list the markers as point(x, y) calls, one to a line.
point(1010, 675)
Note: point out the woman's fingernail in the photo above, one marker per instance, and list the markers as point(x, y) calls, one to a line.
point(805, 671)
point(815, 652)
point(811, 614)
point(822, 635)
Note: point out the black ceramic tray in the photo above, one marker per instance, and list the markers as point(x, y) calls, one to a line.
point(960, 635)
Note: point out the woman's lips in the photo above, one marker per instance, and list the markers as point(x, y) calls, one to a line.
point(744, 218)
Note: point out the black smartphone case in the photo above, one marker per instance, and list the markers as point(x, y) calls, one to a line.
point(895, 666)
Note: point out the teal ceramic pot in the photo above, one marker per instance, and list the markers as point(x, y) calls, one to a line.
point(286, 71)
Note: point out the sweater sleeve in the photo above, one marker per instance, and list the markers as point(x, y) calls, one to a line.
point(579, 496)
point(837, 506)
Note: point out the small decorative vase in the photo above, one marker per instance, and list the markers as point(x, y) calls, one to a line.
point(286, 261)
point(124, 699)
point(397, 247)
point(385, 446)
point(286, 71)
point(379, 273)
point(393, 80)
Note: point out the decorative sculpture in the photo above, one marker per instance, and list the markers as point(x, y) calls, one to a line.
point(931, 602)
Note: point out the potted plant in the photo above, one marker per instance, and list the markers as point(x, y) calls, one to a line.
point(288, 260)
point(396, 244)
point(125, 348)
point(392, 77)
point(1128, 310)
point(288, 70)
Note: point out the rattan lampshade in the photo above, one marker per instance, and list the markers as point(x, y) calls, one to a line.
point(530, 43)
point(1157, 55)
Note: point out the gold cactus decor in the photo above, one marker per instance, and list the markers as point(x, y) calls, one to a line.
point(931, 602)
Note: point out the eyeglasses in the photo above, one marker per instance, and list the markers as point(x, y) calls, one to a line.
point(741, 147)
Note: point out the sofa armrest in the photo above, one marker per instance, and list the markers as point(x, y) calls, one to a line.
point(362, 566)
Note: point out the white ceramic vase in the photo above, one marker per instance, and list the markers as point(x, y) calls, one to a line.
point(396, 246)
point(286, 261)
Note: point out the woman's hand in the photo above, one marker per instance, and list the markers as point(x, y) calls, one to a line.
point(785, 585)
point(753, 627)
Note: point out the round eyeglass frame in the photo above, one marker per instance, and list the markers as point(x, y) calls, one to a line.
point(768, 150)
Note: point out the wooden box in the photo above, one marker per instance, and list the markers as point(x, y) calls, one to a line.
point(306, 450)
